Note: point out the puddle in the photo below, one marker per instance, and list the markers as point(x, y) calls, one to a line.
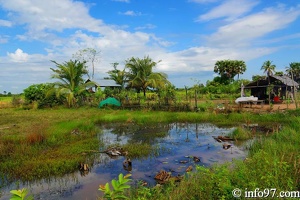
point(177, 143)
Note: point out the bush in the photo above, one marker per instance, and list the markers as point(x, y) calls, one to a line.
point(39, 93)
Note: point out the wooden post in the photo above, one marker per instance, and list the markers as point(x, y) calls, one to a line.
point(196, 106)
point(294, 93)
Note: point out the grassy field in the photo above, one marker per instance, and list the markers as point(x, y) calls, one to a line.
point(36, 143)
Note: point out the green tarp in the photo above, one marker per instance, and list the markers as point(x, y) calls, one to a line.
point(109, 101)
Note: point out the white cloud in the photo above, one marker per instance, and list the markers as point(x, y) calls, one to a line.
point(230, 9)
point(203, 1)
point(147, 26)
point(243, 31)
point(45, 19)
point(125, 1)
point(197, 59)
point(18, 56)
point(131, 13)
point(5, 23)
point(55, 15)
point(3, 39)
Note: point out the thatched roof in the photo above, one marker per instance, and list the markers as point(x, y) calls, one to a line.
point(285, 80)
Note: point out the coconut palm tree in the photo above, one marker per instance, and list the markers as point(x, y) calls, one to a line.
point(70, 82)
point(141, 75)
point(268, 67)
point(117, 75)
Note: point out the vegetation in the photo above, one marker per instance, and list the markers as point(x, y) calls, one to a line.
point(293, 70)
point(228, 69)
point(71, 84)
point(20, 195)
point(119, 187)
point(31, 148)
point(141, 75)
point(39, 93)
point(268, 67)
point(119, 76)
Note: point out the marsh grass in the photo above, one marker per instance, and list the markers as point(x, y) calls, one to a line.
point(241, 133)
point(40, 143)
point(273, 162)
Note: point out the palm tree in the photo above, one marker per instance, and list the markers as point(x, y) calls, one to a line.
point(117, 75)
point(141, 75)
point(71, 84)
point(268, 67)
point(293, 70)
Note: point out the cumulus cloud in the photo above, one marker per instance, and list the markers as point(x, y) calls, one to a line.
point(18, 56)
point(66, 27)
point(54, 15)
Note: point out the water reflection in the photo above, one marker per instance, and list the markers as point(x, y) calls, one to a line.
point(178, 145)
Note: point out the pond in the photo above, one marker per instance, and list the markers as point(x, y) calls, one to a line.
point(175, 146)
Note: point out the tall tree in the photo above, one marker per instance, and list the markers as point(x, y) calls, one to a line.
point(88, 55)
point(293, 70)
point(268, 67)
point(228, 69)
point(70, 82)
point(141, 76)
point(117, 75)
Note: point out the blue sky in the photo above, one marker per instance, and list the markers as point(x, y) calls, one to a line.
point(188, 36)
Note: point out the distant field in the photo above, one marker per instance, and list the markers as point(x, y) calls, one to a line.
point(5, 102)
point(5, 99)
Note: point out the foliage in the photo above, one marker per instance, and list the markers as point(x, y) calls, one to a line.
point(38, 93)
point(293, 70)
point(71, 84)
point(228, 69)
point(16, 100)
point(268, 67)
point(258, 77)
point(117, 75)
point(20, 195)
point(141, 75)
point(119, 187)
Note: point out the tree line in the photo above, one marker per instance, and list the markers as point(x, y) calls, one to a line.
point(72, 88)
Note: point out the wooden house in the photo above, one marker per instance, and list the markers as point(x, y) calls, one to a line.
point(272, 88)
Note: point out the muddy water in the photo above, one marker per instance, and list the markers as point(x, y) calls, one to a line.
point(175, 143)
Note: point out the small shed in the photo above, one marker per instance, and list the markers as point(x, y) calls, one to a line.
point(282, 87)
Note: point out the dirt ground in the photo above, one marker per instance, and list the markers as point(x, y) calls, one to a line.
point(269, 108)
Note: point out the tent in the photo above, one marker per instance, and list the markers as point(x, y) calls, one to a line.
point(109, 101)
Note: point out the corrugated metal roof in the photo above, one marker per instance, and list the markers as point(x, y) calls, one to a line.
point(107, 83)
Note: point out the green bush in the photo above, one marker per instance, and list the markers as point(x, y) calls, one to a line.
point(40, 93)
